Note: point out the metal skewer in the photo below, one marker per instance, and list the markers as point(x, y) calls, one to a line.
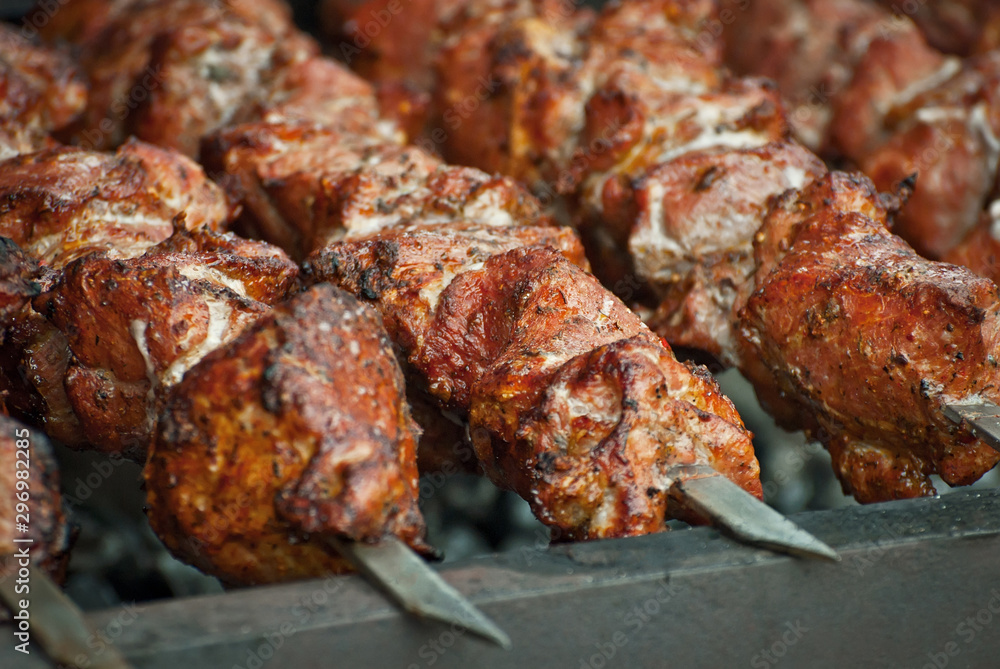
point(742, 516)
point(983, 418)
point(57, 624)
point(417, 588)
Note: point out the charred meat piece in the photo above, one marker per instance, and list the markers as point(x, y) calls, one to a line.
point(132, 327)
point(851, 334)
point(26, 450)
point(571, 401)
point(63, 203)
point(270, 443)
point(304, 186)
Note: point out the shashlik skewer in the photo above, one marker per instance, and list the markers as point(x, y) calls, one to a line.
point(439, 247)
point(142, 196)
point(270, 453)
point(171, 303)
point(686, 151)
point(182, 112)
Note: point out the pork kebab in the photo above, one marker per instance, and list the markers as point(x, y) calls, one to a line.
point(749, 248)
point(314, 185)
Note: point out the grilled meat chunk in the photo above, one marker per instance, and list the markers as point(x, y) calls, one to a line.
point(132, 328)
point(63, 203)
point(270, 444)
point(23, 449)
point(850, 333)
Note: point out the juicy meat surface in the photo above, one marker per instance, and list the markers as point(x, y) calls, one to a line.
point(132, 327)
point(570, 400)
point(63, 203)
point(848, 332)
point(296, 431)
point(24, 449)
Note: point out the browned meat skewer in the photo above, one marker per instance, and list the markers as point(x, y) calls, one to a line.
point(312, 186)
point(492, 324)
point(296, 430)
point(689, 176)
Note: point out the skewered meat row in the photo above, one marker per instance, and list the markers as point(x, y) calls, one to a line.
point(269, 445)
point(322, 185)
point(867, 87)
point(696, 179)
point(487, 313)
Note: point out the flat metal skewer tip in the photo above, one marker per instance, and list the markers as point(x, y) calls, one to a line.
point(745, 518)
point(417, 588)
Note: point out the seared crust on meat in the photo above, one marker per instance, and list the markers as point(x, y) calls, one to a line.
point(27, 450)
point(134, 326)
point(63, 203)
point(269, 444)
point(304, 186)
